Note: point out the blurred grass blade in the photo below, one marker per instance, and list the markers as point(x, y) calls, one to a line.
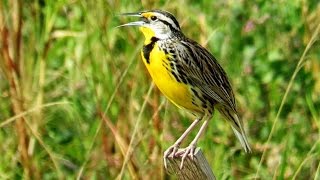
point(302, 59)
point(308, 157)
point(12, 119)
point(135, 130)
point(124, 74)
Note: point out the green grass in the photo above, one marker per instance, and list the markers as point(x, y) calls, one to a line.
point(82, 100)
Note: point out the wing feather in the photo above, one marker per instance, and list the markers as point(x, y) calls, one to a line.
point(202, 68)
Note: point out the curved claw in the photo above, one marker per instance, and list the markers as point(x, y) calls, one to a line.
point(189, 151)
point(170, 152)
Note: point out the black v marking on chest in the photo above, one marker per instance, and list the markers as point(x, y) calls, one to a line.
point(148, 48)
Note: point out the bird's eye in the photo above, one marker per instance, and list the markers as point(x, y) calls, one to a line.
point(153, 18)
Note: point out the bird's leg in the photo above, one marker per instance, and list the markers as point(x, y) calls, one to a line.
point(192, 146)
point(172, 150)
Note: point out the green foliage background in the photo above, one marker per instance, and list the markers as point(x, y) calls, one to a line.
point(85, 97)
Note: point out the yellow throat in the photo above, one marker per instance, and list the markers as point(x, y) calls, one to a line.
point(155, 61)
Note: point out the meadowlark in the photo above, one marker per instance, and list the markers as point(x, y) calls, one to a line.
point(188, 75)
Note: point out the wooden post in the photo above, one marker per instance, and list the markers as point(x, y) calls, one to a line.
point(198, 168)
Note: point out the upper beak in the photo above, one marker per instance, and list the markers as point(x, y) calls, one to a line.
point(135, 23)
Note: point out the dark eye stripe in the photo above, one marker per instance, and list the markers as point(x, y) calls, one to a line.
point(168, 24)
point(170, 16)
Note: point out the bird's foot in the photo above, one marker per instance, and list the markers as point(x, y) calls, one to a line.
point(187, 152)
point(171, 152)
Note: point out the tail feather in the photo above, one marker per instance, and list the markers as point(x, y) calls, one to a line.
point(243, 140)
point(237, 127)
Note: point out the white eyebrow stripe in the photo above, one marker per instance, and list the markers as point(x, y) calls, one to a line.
point(169, 20)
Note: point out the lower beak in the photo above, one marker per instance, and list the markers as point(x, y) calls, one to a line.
point(135, 23)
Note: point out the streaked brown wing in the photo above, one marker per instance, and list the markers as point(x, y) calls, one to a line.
point(202, 68)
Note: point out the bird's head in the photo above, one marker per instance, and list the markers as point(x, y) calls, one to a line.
point(155, 23)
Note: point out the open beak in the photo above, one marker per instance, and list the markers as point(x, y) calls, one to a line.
point(135, 23)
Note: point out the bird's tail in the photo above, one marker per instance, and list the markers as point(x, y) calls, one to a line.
point(237, 127)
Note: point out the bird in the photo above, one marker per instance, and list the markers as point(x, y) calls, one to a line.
point(188, 75)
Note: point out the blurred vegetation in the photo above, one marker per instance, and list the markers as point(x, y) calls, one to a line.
point(75, 96)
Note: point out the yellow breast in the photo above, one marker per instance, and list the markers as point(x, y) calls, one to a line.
point(177, 93)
